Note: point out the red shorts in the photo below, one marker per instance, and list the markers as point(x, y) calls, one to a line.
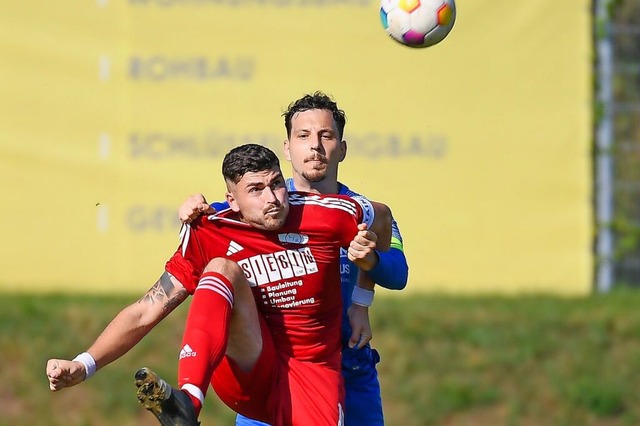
point(280, 390)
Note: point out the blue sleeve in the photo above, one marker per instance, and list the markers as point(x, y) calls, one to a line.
point(392, 270)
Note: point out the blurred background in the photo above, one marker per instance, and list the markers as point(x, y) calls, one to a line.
point(509, 154)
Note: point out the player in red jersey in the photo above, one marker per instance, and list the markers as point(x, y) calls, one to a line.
point(264, 324)
point(249, 345)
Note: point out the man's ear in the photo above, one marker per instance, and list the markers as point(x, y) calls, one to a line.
point(232, 201)
point(343, 150)
point(285, 148)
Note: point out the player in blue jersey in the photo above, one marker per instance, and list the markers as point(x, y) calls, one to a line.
point(315, 147)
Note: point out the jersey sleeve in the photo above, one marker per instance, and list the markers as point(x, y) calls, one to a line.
point(361, 212)
point(188, 262)
point(368, 214)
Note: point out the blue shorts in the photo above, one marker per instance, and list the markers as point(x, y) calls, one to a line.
point(363, 405)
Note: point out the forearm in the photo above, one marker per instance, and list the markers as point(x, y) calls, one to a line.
point(137, 320)
point(122, 334)
point(392, 270)
point(365, 281)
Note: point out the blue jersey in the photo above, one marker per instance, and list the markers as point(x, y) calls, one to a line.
point(363, 405)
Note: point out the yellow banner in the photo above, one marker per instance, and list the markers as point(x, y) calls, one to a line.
point(114, 111)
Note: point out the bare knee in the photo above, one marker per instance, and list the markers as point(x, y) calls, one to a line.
point(232, 271)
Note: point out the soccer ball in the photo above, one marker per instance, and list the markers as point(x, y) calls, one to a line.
point(418, 23)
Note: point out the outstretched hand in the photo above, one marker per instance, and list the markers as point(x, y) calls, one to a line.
point(362, 248)
point(193, 207)
point(63, 373)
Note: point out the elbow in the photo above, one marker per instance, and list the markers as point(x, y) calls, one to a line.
point(400, 279)
point(402, 282)
point(392, 271)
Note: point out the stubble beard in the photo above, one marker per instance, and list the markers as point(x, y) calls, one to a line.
point(315, 175)
point(272, 224)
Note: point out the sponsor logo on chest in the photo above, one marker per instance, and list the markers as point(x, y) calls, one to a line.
point(273, 267)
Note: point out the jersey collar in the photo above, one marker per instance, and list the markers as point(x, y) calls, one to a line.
point(342, 188)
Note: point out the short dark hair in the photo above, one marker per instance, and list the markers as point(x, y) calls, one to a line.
point(250, 157)
point(316, 100)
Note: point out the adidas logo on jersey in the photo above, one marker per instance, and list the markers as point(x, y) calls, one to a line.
point(268, 268)
point(233, 248)
point(187, 352)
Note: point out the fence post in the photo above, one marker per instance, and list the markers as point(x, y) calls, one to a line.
point(604, 142)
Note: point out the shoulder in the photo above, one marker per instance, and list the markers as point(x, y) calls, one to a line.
point(299, 197)
point(323, 202)
point(363, 201)
point(345, 190)
point(332, 205)
point(379, 208)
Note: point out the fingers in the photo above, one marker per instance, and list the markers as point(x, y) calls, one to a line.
point(359, 339)
point(359, 249)
point(56, 384)
point(63, 373)
point(184, 214)
point(362, 245)
point(355, 338)
point(206, 209)
point(188, 213)
point(61, 383)
point(365, 238)
point(364, 339)
point(192, 208)
point(55, 375)
point(52, 365)
point(360, 326)
point(53, 369)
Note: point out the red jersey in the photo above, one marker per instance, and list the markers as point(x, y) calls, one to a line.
point(294, 271)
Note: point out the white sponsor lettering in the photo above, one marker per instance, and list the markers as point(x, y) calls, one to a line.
point(296, 263)
point(298, 303)
point(283, 293)
point(271, 264)
point(309, 260)
point(259, 270)
point(268, 268)
point(286, 270)
point(283, 285)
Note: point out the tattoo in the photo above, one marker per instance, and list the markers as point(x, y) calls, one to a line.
point(164, 291)
point(166, 283)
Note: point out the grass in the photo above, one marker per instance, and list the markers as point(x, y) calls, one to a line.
point(445, 361)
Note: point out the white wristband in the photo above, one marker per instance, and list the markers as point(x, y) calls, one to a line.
point(89, 364)
point(362, 297)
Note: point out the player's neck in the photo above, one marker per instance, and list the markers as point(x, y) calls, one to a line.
point(325, 186)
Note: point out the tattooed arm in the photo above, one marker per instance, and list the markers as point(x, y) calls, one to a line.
point(123, 332)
